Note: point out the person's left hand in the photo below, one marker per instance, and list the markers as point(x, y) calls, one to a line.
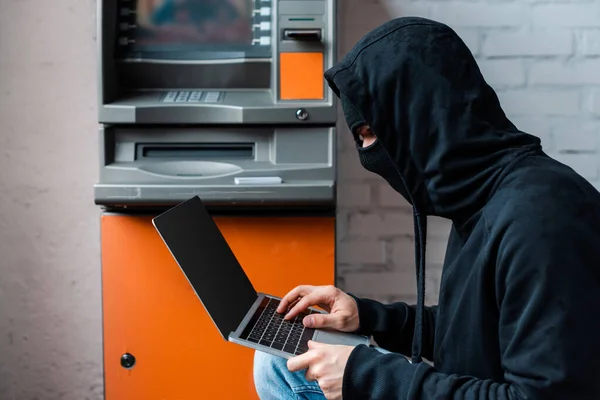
point(325, 364)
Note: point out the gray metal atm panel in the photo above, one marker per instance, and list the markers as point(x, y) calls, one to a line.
point(224, 166)
point(236, 107)
point(239, 90)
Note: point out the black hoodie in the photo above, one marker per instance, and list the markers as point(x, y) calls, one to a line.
point(519, 305)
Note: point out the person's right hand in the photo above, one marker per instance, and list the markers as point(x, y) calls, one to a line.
point(342, 309)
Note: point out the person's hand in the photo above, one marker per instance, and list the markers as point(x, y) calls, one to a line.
point(342, 309)
point(324, 364)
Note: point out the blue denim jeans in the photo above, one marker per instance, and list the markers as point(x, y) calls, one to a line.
point(274, 381)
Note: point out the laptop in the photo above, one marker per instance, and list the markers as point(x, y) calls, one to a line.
point(240, 313)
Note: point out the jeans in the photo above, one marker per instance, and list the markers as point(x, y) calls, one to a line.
point(273, 380)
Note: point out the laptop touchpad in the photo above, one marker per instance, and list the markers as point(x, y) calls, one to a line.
point(341, 338)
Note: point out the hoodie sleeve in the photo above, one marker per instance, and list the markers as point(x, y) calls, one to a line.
point(547, 296)
point(392, 325)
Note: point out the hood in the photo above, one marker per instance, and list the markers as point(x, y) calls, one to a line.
point(417, 85)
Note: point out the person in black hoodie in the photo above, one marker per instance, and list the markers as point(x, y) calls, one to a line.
point(517, 316)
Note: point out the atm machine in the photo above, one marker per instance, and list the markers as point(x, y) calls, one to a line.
point(224, 99)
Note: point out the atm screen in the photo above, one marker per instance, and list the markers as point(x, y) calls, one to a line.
point(199, 29)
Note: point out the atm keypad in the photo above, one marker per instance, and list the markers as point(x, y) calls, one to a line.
point(170, 97)
point(194, 96)
point(212, 97)
point(182, 97)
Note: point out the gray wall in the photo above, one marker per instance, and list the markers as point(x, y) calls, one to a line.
point(50, 343)
point(541, 56)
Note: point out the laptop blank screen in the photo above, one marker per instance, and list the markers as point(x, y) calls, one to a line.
point(210, 266)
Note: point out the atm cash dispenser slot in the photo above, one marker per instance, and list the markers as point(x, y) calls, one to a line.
point(266, 65)
point(196, 151)
point(264, 166)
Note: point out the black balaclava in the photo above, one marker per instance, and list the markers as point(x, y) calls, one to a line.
point(374, 157)
point(352, 116)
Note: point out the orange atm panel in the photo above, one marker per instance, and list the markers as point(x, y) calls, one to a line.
point(301, 76)
point(150, 311)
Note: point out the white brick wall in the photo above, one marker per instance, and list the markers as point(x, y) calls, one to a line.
point(595, 102)
point(590, 43)
point(543, 59)
point(528, 44)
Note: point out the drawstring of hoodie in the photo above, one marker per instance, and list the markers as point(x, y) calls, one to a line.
point(420, 227)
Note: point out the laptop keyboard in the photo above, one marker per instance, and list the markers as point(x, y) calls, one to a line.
point(268, 328)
